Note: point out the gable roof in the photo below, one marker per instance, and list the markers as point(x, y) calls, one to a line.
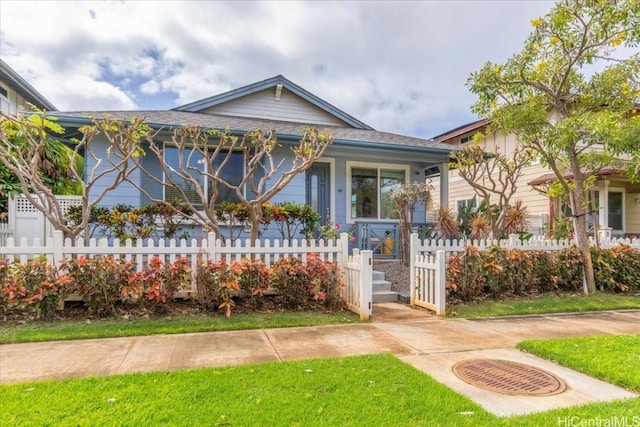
point(231, 95)
point(461, 130)
point(12, 79)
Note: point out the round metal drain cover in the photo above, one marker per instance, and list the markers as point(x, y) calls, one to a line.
point(506, 377)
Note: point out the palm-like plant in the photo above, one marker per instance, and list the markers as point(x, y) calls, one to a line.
point(446, 222)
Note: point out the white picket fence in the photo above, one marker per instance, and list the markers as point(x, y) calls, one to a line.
point(356, 269)
point(428, 262)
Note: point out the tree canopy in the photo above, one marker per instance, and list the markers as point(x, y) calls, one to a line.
point(572, 95)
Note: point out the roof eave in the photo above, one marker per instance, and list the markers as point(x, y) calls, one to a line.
point(25, 90)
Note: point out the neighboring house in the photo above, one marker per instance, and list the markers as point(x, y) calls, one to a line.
point(349, 184)
point(16, 94)
point(617, 198)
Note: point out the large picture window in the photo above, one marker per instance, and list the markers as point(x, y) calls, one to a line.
point(232, 173)
point(371, 186)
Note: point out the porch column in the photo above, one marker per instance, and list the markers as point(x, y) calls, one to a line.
point(603, 211)
point(444, 184)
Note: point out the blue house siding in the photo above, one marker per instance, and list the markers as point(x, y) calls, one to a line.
point(125, 193)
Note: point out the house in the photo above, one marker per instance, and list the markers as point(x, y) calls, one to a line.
point(16, 94)
point(618, 200)
point(348, 185)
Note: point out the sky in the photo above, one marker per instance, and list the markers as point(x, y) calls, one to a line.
point(400, 67)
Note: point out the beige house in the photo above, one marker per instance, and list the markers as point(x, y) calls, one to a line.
point(617, 199)
point(16, 94)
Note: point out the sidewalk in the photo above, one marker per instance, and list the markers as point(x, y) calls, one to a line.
point(395, 329)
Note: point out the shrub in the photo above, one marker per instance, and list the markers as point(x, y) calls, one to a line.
point(253, 278)
point(160, 281)
point(101, 282)
point(324, 276)
point(217, 284)
point(497, 272)
point(34, 287)
point(617, 269)
point(289, 277)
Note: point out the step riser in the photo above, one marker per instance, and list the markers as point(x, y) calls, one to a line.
point(381, 285)
point(385, 297)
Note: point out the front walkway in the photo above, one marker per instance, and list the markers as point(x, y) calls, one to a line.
point(415, 337)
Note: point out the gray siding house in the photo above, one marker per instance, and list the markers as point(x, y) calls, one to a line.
point(348, 185)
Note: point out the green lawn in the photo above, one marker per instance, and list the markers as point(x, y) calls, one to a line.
point(548, 303)
point(377, 390)
point(105, 328)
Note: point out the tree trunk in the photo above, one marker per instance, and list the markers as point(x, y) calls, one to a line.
point(255, 216)
point(580, 228)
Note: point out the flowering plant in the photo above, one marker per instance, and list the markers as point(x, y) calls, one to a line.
point(331, 230)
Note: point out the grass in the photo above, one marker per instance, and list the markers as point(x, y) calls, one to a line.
point(615, 359)
point(356, 391)
point(118, 327)
point(548, 303)
point(106, 328)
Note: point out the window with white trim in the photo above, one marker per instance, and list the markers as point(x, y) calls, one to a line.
point(194, 164)
point(370, 189)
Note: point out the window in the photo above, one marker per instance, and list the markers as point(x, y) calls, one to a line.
point(233, 173)
point(466, 139)
point(4, 100)
point(371, 186)
point(466, 204)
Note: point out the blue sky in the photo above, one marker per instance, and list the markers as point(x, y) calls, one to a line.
point(400, 67)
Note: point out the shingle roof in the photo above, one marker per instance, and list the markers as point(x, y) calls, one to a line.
point(173, 118)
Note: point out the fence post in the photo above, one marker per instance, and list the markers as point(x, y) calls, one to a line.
point(211, 246)
point(343, 257)
point(58, 247)
point(366, 284)
point(441, 280)
point(414, 242)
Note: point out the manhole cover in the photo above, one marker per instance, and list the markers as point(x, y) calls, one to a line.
point(508, 377)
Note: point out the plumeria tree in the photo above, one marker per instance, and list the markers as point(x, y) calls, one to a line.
point(494, 178)
point(571, 95)
point(204, 157)
point(405, 199)
point(24, 145)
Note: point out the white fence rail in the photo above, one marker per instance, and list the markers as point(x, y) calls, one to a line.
point(358, 283)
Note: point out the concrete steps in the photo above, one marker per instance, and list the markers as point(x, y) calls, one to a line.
point(382, 289)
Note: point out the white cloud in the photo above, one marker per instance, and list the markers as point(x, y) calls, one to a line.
point(397, 66)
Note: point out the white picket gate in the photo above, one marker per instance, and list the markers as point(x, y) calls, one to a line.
point(358, 283)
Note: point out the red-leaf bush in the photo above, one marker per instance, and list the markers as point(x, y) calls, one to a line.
point(101, 282)
point(499, 272)
point(160, 281)
point(34, 287)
